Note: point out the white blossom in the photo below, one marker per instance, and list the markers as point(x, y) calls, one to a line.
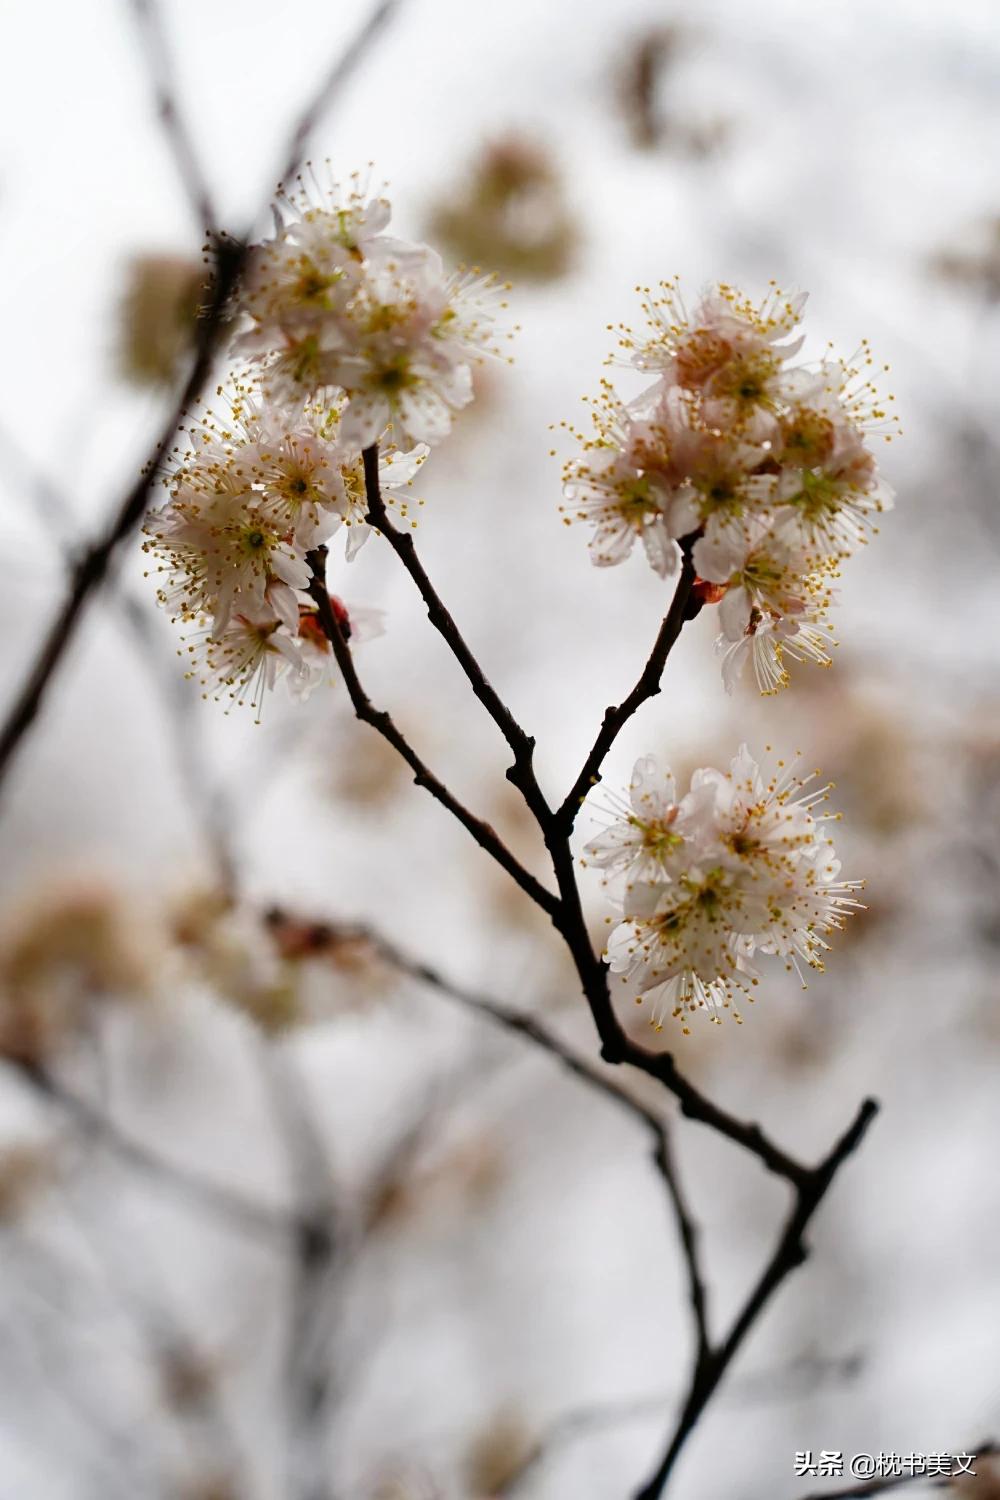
point(762, 467)
point(338, 309)
point(741, 866)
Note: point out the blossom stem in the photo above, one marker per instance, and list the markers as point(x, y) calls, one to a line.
point(485, 836)
point(682, 607)
point(521, 774)
point(530, 1029)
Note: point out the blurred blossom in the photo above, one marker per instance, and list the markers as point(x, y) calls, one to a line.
point(645, 75)
point(498, 1453)
point(510, 213)
point(983, 1485)
point(25, 1170)
point(227, 947)
point(210, 1487)
point(410, 1483)
point(372, 780)
point(158, 317)
point(973, 265)
point(69, 949)
point(187, 1380)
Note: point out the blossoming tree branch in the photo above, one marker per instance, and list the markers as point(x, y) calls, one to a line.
point(749, 479)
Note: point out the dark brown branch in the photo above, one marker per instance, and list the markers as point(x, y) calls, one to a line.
point(92, 567)
point(485, 836)
point(270, 1224)
point(896, 1481)
point(526, 1026)
point(618, 1047)
point(809, 1184)
point(790, 1252)
point(557, 826)
point(682, 607)
point(207, 799)
point(316, 1254)
point(152, 36)
point(521, 773)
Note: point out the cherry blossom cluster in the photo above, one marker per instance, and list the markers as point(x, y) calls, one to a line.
point(762, 468)
point(348, 337)
point(741, 865)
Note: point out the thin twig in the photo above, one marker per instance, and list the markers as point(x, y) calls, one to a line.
point(207, 799)
point(521, 773)
point(91, 569)
point(790, 1252)
point(485, 836)
point(271, 1225)
point(682, 607)
point(580, 1422)
point(315, 1254)
point(326, 90)
point(92, 566)
point(809, 1184)
point(152, 36)
point(557, 826)
point(526, 1026)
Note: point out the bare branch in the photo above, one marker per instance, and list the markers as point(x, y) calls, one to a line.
point(556, 827)
point(683, 607)
point(316, 1252)
point(153, 39)
point(522, 1024)
point(326, 91)
point(485, 836)
point(790, 1252)
point(269, 1224)
point(521, 773)
point(809, 1184)
point(92, 567)
point(207, 799)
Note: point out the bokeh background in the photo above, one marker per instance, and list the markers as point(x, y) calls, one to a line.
point(508, 1276)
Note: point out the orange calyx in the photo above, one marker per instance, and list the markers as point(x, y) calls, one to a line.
point(708, 593)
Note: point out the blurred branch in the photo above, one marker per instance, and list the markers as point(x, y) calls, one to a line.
point(809, 1184)
point(575, 1424)
point(153, 40)
point(184, 1376)
point(315, 1250)
point(896, 1481)
point(270, 1224)
point(521, 773)
point(485, 836)
point(598, 1415)
point(791, 1251)
point(208, 801)
point(326, 91)
point(532, 1030)
point(683, 607)
point(92, 566)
